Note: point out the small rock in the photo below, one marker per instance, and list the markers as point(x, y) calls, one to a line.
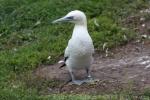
point(15, 49)
point(133, 76)
point(145, 62)
point(138, 41)
point(113, 68)
point(148, 66)
point(143, 25)
point(71, 91)
point(50, 89)
point(142, 19)
point(142, 80)
point(49, 57)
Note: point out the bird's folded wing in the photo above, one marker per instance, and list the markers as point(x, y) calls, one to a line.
point(67, 53)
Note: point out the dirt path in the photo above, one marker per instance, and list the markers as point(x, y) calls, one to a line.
point(127, 69)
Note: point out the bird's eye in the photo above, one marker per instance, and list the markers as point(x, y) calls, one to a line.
point(70, 17)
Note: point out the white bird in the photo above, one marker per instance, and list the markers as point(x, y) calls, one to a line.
point(78, 53)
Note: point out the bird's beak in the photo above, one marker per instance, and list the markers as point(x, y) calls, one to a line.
point(63, 19)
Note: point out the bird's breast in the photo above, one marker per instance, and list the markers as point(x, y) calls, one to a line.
point(81, 47)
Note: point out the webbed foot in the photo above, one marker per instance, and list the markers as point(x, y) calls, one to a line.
point(90, 80)
point(77, 82)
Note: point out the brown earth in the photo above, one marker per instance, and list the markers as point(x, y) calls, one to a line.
point(127, 69)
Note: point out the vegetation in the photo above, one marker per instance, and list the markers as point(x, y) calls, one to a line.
point(27, 37)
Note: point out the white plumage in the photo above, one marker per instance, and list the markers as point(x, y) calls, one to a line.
point(80, 47)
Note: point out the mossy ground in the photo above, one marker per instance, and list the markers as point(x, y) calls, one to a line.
point(27, 37)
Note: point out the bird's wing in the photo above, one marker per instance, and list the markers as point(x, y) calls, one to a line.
point(66, 52)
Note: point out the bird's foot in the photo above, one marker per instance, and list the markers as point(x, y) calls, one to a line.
point(77, 82)
point(90, 80)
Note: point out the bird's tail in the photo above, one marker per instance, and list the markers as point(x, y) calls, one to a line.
point(63, 63)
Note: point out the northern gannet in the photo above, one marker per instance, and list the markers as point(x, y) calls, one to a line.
point(78, 53)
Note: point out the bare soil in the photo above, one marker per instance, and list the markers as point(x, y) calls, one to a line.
point(127, 69)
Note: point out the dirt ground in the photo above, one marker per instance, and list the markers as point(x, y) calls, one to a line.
point(126, 69)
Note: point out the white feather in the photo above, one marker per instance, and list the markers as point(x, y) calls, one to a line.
point(80, 48)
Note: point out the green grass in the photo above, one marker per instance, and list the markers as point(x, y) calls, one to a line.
point(27, 36)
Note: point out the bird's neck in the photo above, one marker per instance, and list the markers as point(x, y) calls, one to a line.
point(80, 30)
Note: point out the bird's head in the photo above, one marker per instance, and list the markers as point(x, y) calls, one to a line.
point(76, 17)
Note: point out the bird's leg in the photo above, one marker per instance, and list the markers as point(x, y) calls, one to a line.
point(88, 73)
point(89, 77)
point(77, 82)
point(72, 76)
